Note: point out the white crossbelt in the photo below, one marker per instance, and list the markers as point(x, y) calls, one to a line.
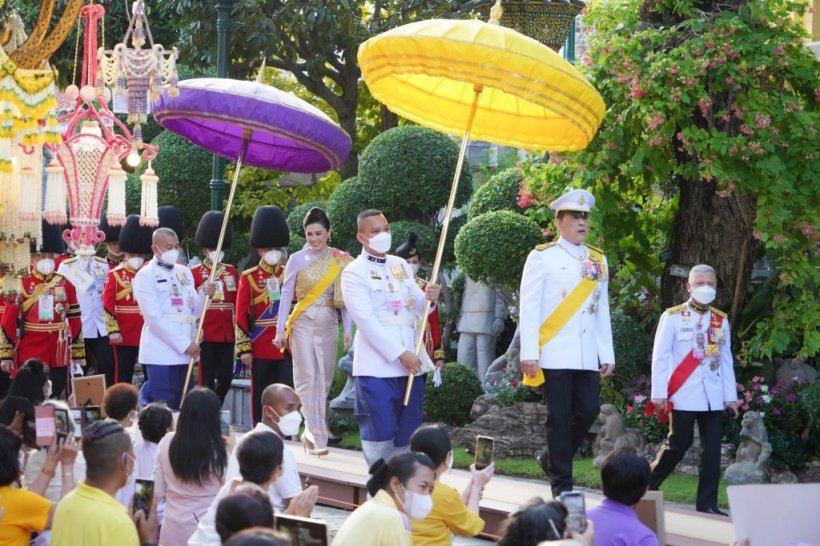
point(393, 320)
point(182, 319)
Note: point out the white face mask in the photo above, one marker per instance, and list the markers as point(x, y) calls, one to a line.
point(135, 262)
point(704, 294)
point(45, 266)
point(170, 256)
point(381, 242)
point(418, 505)
point(213, 257)
point(289, 423)
point(414, 268)
point(272, 257)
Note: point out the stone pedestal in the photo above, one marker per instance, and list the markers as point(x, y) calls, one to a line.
point(518, 430)
point(238, 402)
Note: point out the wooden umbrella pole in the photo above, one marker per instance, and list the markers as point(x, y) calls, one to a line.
point(442, 240)
point(246, 137)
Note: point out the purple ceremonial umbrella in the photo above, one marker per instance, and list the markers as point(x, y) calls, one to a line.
point(288, 134)
point(250, 122)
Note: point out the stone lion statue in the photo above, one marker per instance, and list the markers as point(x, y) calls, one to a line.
point(752, 459)
point(613, 435)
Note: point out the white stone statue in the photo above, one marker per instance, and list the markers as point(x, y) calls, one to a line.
point(482, 320)
point(753, 452)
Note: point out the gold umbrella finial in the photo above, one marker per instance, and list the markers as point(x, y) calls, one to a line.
point(261, 74)
point(495, 13)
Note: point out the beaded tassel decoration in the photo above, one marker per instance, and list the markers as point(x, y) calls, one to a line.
point(149, 215)
point(116, 195)
point(56, 194)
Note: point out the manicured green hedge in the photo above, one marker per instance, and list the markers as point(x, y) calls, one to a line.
point(500, 192)
point(297, 215)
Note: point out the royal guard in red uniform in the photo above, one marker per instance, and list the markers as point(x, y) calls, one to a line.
point(432, 336)
point(257, 305)
point(43, 321)
point(216, 361)
point(123, 320)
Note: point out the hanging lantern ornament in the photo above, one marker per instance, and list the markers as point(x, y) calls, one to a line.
point(137, 74)
point(548, 21)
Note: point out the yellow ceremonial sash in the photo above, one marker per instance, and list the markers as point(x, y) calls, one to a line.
point(561, 315)
point(29, 302)
point(318, 289)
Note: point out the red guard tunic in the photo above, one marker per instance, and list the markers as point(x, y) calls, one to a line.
point(219, 324)
point(253, 295)
point(49, 315)
point(122, 314)
point(432, 336)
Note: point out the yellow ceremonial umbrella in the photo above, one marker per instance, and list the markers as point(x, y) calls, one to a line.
point(484, 81)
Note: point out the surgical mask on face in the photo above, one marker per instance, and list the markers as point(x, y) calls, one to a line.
point(414, 268)
point(45, 266)
point(272, 257)
point(704, 294)
point(213, 257)
point(170, 256)
point(418, 505)
point(135, 262)
point(381, 242)
point(289, 423)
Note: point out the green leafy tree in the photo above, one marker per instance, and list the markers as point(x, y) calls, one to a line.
point(712, 127)
point(315, 41)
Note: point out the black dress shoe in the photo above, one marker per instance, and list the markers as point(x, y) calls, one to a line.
point(334, 440)
point(713, 510)
point(543, 459)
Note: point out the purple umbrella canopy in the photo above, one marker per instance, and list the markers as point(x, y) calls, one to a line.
point(288, 134)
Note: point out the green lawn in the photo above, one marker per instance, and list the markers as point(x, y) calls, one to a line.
point(678, 488)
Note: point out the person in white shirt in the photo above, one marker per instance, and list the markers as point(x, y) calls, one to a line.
point(280, 415)
point(386, 303)
point(170, 306)
point(566, 332)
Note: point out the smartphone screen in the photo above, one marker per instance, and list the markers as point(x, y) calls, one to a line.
point(44, 425)
point(484, 446)
point(577, 518)
point(91, 414)
point(225, 421)
point(143, 496)
point(77, 417)
point(61, 422)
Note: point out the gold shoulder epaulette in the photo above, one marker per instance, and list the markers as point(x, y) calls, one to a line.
point(69, 260)
point(102, 260)
point(676, 309)
point(250, 271)
point(595, 248)
point(546, 245)
point(718, 312)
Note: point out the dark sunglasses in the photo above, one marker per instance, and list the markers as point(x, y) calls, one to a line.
point(579, 214)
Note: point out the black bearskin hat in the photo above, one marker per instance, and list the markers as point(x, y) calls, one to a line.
point(207, 232)
point(408, 248)
point(134, 238)
point(268, 228)
point(170, 217)
point(112, 233)
point(52, 240)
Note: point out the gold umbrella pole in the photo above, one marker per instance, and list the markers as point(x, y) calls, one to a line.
point(444, 228)
point(246, 137)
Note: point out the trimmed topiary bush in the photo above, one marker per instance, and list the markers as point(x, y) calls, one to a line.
point(297, 215)
point(500, 192)
point(493, 247)
point(427, 238)
point(456, 223)
point(296, 243)
point(633, 349)
point(345, 203)
point(409, 170)
point(451, 402)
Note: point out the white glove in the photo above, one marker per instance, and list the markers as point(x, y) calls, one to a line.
point(76, 368)
point(437, 377)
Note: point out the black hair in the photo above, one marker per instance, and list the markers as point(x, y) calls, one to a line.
point(154, 421)
point(10, 445)
point(534, 523)
point(625, 476)
point(30, 380)
point(402, 466)
point(120, 400)
point(259, 455)
point(433, 441)
point(244, 509)
point(197, 450)
point(316, 216)
point(103, 444)
point(258, 536)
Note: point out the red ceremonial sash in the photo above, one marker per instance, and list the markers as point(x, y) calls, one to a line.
point(682, 372)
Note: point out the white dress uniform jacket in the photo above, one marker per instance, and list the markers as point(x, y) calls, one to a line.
point(550, 274)
point(385, 302)
point(170, 307)
point(90, 300)
point(713, 381)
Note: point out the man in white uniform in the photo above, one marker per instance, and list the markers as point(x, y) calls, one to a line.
point(170, 307)
point(382, 296)
point(693, 379)
point(566, 331)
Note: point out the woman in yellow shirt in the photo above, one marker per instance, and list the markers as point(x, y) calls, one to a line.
point(452, 513)
point(401, 492)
